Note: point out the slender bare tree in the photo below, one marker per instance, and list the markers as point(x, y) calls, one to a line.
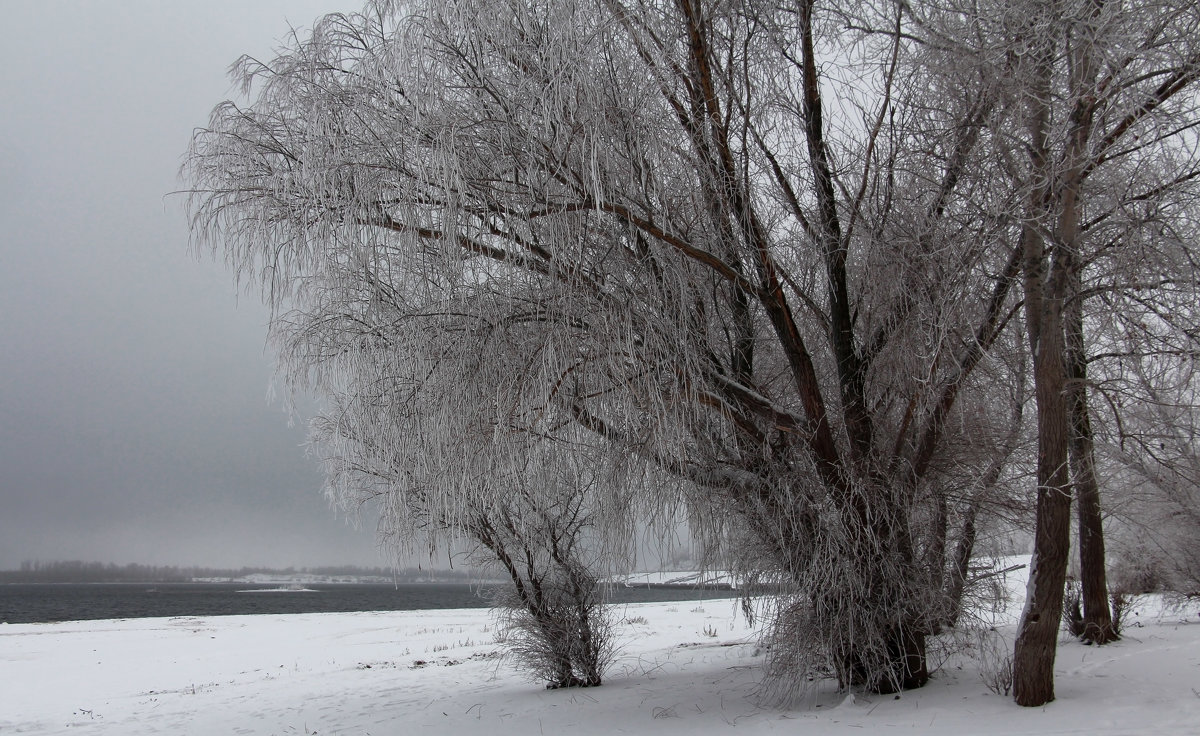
point(1089, 89)
point(398, 423)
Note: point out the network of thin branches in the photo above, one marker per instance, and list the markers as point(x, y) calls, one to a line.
point(553, 621)
point(763, 261)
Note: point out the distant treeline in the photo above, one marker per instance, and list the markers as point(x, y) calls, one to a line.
point(76, 571)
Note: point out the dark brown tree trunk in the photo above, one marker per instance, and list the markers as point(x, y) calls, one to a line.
point(908, 650)
point(907, 667)
point(1035, 649)
point(959, 567)
point(1097, 616)
point(1055, 203)
point(1034, 653)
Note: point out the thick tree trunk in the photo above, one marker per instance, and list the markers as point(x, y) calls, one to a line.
point(1034, 653)
point(1056, 202)
point(1033, 656)
point(1035, 650)
point(907, 647)
point(907, 667)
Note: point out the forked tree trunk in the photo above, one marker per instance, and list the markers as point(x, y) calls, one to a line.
point(1055, 202)
point(1035, 649)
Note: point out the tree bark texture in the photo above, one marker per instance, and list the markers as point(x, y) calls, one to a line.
point(1034, 653)
point(1097, 616)
point(1035, 649)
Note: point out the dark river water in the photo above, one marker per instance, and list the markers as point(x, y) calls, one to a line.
point(23, 603)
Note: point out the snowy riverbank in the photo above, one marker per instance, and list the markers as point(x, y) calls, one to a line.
point(683, 668)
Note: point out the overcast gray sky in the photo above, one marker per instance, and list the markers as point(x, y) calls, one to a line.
point(134, 421)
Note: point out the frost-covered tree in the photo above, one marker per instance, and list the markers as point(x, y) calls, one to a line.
point(1161, 519)
point(717, 251)
point(427, 426)
point(1095, 120)
point(748, 257)
point(1148, 380)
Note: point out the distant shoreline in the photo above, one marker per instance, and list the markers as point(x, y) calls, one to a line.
point(365, 580)
point(48, 602)
point(80, 573)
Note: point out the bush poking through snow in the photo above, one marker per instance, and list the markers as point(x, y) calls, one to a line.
point(557, 629)
point(995, 662)
point(1124, 607)
point(551, 620)
point(1073, 609)
point(1183, 605)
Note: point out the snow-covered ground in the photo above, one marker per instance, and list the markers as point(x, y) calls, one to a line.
point(683, 668)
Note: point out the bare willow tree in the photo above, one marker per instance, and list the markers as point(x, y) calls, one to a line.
point(421, 420)
point(731, 283)
point(751, 257)
point(396, 424)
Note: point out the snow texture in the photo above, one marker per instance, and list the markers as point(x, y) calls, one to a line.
point(683, 668)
